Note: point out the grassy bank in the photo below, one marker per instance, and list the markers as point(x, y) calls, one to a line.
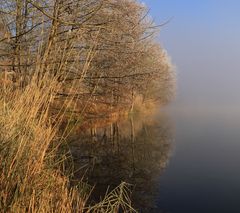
point(32, 164)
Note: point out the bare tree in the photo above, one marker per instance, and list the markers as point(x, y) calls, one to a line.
point(102, 52)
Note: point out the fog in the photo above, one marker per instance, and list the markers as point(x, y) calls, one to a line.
point(203, 41)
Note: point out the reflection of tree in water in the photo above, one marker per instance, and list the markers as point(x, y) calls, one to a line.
point(134, 151)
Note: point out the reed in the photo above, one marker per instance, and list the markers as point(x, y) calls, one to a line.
point(33, 176)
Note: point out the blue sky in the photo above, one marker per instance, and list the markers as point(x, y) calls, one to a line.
point(203, 40)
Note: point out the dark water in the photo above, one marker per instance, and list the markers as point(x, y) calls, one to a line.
point(203, 174)
point(178, 162)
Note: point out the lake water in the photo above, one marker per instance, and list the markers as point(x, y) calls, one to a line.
point(185, 160)
point(203, 174)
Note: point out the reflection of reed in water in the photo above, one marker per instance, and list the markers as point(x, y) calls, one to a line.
point(135, 151)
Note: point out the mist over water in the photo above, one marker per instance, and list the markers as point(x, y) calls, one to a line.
point(203, 41)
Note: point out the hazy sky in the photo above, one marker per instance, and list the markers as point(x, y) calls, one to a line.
point(203, 40)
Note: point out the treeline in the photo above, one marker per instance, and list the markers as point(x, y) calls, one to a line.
point(83, 56)
point(103, 53)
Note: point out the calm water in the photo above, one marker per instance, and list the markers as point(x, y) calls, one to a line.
point(203, 174)
point(178, 162)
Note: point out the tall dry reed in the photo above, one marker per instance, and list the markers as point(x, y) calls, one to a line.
point(33, 177)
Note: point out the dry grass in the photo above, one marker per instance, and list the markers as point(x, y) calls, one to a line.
point(115, 201)
point(33, 175)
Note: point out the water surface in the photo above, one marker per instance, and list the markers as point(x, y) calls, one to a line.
point(186, 160)
point(203, 174)
point(135, 150)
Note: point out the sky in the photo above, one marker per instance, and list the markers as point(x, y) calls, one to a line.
point(203, 41)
